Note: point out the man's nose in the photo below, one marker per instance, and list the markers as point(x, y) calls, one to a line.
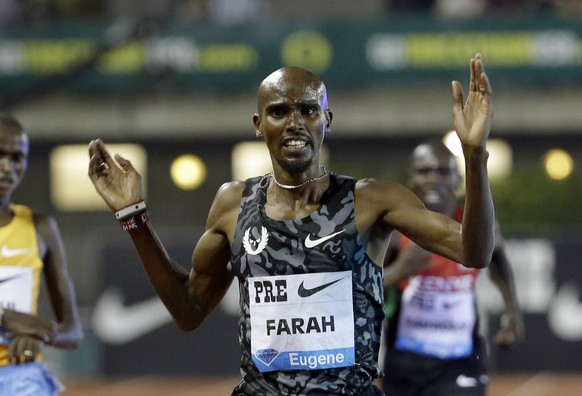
point(433, 175)
point(295, 120)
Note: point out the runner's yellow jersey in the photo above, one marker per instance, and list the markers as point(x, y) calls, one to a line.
point(20, 267)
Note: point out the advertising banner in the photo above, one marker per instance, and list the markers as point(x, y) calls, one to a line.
point(138, 336)
point(148, 56)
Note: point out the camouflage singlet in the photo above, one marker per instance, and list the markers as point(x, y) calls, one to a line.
point(320, 262)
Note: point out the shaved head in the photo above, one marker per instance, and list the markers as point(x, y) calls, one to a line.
point(436, 148)
point(292, 79)
point(9, 120)
point(9, 125)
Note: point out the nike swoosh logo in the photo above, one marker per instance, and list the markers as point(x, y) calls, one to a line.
point(6, 252)
point(310, 243)
point(452, 304)
point(303, 292)
point(10, 278)
point(117, 323)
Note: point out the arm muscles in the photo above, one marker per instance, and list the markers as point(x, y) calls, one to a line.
point(59, 285)
point(190, 296)
point(433, 231)
point(398, 208)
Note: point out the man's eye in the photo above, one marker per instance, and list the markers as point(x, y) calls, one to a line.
point(445, 171)
point(439, 171)
point(310, 110)
point(277, 113)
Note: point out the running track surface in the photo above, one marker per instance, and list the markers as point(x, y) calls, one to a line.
point(523, 384)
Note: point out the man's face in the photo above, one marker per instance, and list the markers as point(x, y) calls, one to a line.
point(434, 178)
point(292, 118)
point(13, 158)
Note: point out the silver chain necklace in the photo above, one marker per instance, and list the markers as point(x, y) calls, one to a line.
point(262, 183)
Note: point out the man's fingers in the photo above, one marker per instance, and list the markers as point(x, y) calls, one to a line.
point(473, 75)
point(100, 158)
point(458, 104)
point(482, 83)
point(97, 149)
point(458, 98)
point(22, 349)
point(125, 164)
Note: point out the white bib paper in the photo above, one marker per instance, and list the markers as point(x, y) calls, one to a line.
point(437, 322)
point(302, 322)
point(15, 290)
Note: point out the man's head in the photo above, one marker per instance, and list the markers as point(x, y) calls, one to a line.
point(14, 148)
point(433, 175)
point(293, 117)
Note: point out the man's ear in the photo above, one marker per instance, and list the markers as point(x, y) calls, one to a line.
point(328, 118)
point(257, 122)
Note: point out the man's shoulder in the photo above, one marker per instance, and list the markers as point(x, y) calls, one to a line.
point(231, 190)
point(44, 224)
point(226, 205)
point(373, 185)
point(19, 208)
point(377, 197)
point(26, 212)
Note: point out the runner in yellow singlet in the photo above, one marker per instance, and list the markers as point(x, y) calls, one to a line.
point(30, 248)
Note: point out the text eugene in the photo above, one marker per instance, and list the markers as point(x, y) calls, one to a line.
point(315, 361)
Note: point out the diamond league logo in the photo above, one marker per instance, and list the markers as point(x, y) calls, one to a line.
point(267, 355)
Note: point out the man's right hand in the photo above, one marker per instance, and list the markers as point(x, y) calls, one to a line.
point(116, 180)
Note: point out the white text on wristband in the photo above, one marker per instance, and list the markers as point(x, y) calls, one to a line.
point(130, 210)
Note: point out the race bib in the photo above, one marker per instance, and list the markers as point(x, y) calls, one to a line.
point(438, 322)
point(15, 291)
point(302, 322)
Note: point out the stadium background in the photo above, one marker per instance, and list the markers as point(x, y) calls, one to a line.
point(176, 85)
